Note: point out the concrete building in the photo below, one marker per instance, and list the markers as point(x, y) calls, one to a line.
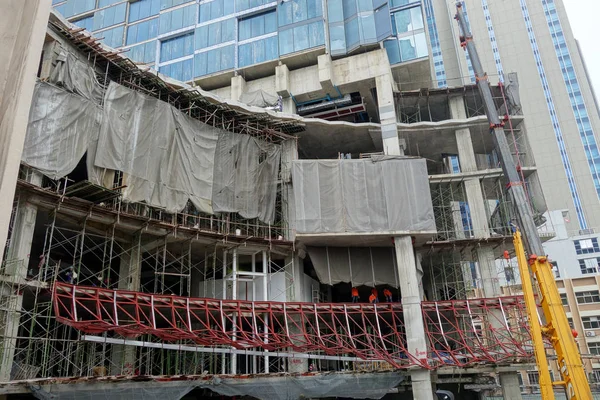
point(255, 42)
point(241, 230)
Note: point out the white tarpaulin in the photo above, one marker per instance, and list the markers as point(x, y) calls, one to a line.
point(245, 178)
point(369, 266)
point(168, 156)
point(76, 76)
point(259, 98)
point(386, 194)
point(61, 127)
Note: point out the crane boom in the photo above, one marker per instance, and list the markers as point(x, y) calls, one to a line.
point(557, 329)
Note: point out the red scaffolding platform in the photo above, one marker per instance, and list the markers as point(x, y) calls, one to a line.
point(461, 333)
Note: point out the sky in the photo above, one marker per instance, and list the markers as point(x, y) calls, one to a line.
point(583, 16)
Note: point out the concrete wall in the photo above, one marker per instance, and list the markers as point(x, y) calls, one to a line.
point(22, 31)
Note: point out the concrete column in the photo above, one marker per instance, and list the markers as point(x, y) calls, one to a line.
point(17, 263)
point(510, 386)
point(295, 292)
point(387, 115)
point(413, 317)
point(123, 358)
point(238, 87)
point(23, 26)
point(325, 66)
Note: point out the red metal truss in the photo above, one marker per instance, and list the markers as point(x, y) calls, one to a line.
point(460, 333)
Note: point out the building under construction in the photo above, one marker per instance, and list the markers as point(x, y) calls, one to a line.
point(164, 241)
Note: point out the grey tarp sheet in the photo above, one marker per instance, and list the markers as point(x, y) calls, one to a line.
point(259, 98)
point(76, 76)
point(352, 385)
point(61, 127)
point(245, 176)
point(357, 265)
point(168, 156)
point(387, 194)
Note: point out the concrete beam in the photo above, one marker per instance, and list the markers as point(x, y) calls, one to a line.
point(387, 115)
point(23, 25)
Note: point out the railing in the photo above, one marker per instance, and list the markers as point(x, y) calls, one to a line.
point(460, 333)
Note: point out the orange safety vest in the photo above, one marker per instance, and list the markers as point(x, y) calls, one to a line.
point(355, 292)
point(372, 298)
point(386, 292)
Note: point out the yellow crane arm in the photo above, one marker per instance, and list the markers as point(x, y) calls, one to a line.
point(557, 328)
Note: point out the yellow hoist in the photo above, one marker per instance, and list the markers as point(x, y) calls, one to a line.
point(556, 327)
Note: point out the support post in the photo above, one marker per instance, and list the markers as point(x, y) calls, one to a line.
point(413, 315)
point(123, 357)
point(234, 316)
point(265, 298)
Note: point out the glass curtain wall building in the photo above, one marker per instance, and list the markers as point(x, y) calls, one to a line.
point(188, 39)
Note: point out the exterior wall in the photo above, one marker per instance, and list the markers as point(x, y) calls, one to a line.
point(21, 45)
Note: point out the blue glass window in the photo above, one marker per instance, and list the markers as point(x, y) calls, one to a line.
point(354, 23)
point(410, 42)
point(210, 10)
point(217, 33)
point(113, 37)
point(110, 16)
point(294, 11)
point(143, 9)
point(177, 19)
point(75, 7)
point(143, 53)
point(465, 214)
point(56, 1)
point(301, 37)
point(180, 46)
point(400, 3)
point(241, 5)
point(257, 25)
point(164, 4)
point(182, 70)
point(104, 3)
point(143, 31)
point(87, 23)
point(587, 246)
point(221, 59)
point(257, 52)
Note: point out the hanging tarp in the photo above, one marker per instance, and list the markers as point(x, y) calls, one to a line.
point(61, 127)
point(385, 194)
point(76, 76)
point(260, 98)
point(369, 266)
point(168, 157)
point(245, 177)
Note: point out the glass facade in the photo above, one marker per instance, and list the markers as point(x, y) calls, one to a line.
point(242, 33)
point(553, 116)
point(230, 33)
point(356, 23)
point(572, 85)
point(408, 29)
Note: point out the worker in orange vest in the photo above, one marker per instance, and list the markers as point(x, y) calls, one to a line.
point(388, 295)
point(355, 297)
point(373, 297)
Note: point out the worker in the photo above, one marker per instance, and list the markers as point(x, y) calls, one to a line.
point(355, 297)
point(71, 275)
point(388, 295)
point(373, 299)
point(374, 292)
